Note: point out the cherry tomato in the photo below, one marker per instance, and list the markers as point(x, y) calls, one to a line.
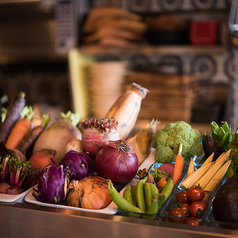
point(182, 197)
point(197, 209)
point(205, 204)
point(177, 214)
point(162, 182)
point(196, 194)
point(185, 208)
point(192, 221)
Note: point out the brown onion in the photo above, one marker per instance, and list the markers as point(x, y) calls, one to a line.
point(117, 162)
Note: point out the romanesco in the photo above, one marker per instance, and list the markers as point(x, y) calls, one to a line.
point(167, 141)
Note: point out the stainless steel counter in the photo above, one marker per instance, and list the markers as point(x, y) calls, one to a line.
point(20, 219)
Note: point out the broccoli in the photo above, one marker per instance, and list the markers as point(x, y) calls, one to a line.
point(167, 141)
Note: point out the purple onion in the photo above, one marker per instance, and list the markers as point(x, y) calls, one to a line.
point(52, 185)
point(117, 162)
point(78, 164)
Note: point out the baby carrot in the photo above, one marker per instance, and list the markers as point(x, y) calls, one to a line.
point(21, 128)
point(35, 132)
point(178, 166)
point(12, 116)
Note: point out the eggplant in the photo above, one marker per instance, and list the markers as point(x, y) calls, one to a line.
point(210, 146)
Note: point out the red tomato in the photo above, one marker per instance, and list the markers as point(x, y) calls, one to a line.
point(196, 194)
point(177, 214)
point(192, 221)
point(182, 197)
point(204, 204)
point(185, 208)
point(197, 209)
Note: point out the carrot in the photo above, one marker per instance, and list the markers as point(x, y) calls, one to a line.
point(28, 140)
point(178, 166)
point(21, 128)
point(12, 116)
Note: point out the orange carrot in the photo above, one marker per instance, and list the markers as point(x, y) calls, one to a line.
point(20, 129)
point(178, 166)
point(32, 136)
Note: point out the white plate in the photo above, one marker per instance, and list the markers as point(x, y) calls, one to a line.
point(13, 198)
point(110, 209)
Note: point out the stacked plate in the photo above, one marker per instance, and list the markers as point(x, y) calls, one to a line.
point(105, 84)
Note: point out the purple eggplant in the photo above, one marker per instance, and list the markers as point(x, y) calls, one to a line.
point(210, 146)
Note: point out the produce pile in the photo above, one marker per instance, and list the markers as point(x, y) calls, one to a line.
point(80, 162)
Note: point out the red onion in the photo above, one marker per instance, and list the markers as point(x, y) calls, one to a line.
point(97, 133)
point(117, 162)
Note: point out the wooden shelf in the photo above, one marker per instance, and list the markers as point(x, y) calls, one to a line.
point(162, 49)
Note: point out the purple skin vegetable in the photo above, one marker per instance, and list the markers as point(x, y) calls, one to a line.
point(52, 185)
point(79, 164)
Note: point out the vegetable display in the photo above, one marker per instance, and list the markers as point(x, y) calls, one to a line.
point(80, 164)
point(167, 141)
point(117, 161)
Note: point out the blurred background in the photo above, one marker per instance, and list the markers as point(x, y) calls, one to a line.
point(81, 55)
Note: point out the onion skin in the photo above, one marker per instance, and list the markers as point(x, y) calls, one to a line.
point(90, 193)
point(117, 162)
point(78, 164)
point(93, 140)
